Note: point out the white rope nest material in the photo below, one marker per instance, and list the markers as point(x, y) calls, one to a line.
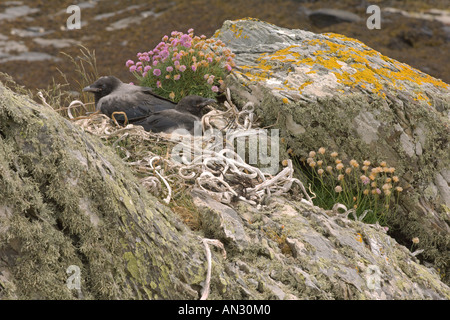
point(215, 168)
point(222, 184)
point(206, 243)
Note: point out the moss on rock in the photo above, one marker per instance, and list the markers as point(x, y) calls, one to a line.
point(68, 200)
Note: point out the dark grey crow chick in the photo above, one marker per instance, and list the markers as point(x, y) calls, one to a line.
point(137, 102)
point(184, 115)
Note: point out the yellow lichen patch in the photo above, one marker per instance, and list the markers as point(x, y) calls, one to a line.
point(253, 75)
point(345, 38)
point(306, 83)
point(254, 72)
point(285, 100)
point(264, 65)
point(217, 33)
point(328, 62)
point(236, 30)
point(422, 97)
point(362, 75)
point(284, 55)
point(408, 73)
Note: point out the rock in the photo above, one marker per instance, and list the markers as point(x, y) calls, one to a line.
point(327, 90)
point(331, 258)
point(220, 221)
point(67, 200)
point(327, 17)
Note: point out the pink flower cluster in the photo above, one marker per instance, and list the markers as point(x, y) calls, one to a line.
point(181, 53)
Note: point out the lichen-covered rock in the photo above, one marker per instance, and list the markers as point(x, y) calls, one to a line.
point(327, 90)
point(220, 221)
point(295, 251)
point(66, 199)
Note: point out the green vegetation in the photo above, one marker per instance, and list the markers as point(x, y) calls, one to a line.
point(369, 191)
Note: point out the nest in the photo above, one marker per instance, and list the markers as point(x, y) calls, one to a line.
point(212, 165)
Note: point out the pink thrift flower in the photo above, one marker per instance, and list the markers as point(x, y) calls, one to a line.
point(155, 63)
point(157, 72)
point(129, 63)
point(182, 68)
point(215, 89)
point(164, 54)
point(138, 64)
point(185, 38)
point(206, 76)
point(147, 68)
point(228, 67)
point(165, 38)
point(144, 74)
point(177, 77)
point(176, 63)
point(209, 59)
point(378, 191)
point(210, 80)
point(190, 30)
point(132, 68)
point(169, 69)
point(158, 84)
point(131, 83)
point(194, 67)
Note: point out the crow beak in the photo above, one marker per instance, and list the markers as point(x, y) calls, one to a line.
point(91, 89)
point(206, 103)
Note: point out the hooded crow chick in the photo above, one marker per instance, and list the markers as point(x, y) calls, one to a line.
point(137, 102)
point(187, 111)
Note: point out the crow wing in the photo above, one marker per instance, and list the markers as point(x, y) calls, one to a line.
point(137, 102)
point(167, 121)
